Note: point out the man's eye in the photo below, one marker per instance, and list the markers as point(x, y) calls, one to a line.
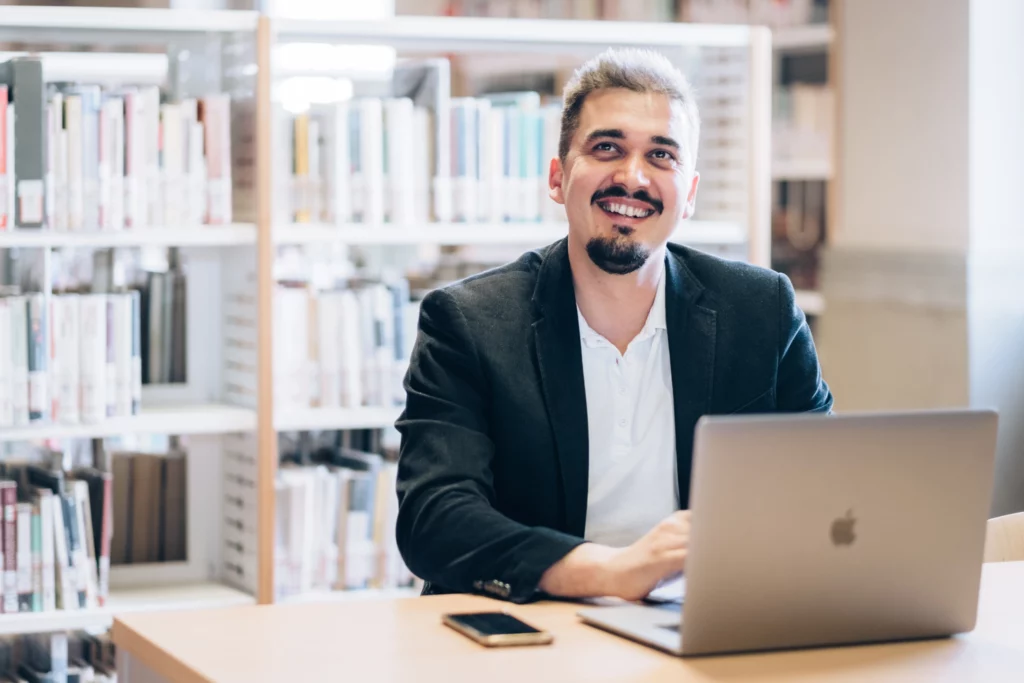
point(604, 147)
point(662, 154)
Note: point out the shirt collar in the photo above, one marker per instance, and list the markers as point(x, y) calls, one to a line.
point(656, 319)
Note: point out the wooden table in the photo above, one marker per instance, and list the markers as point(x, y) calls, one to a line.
point(403, 640)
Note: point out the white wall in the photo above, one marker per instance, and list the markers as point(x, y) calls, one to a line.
point(904, 142)
point(996, 266)
point(923, 279)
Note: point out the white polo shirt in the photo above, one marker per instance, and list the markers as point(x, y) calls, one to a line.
point(631, 425)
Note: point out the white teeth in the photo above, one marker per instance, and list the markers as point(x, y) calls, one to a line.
point(630, 211)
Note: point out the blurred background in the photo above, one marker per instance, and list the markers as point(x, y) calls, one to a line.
point(873, 152)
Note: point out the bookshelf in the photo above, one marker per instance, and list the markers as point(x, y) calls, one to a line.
point(370, 417)
point(234, 433)
point(235, 235)
point(154, 599)
point(170, 419)
point(147, 48)
point(695, 233)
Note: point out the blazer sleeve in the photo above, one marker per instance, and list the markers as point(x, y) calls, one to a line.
point(800, 386)
point(448, 529)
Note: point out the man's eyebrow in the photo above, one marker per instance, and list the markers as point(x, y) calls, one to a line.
point(662, 140)
point(606, 133)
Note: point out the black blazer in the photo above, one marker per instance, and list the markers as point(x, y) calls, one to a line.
point(492, 473)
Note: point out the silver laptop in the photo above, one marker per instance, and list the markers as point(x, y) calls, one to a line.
point(810, 530)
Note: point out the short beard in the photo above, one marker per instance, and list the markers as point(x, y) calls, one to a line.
point(617, 255)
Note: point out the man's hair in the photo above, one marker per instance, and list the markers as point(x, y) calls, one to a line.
point(642, 71)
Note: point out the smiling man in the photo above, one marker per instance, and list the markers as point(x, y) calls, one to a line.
point(547, 437)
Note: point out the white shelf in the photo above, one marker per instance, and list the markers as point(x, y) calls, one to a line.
point(302, 419)
point(127, 19)
point(802, 169)
point(162, 598)
point(194, 236)
point(101, 68)
point(811, 302)
point(455, 34)
point(349, 595)
point(449, 234)
point(185, 419)
point(802, 38)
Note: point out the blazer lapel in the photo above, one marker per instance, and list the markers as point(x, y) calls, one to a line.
point(691, 343)
point(560, 363)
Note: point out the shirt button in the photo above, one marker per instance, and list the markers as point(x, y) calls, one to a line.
point(622, 391)
point(622, 422)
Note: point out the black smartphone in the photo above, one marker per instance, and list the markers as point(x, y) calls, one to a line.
point(496, 629)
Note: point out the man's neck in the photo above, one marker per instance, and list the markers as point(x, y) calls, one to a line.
point(615, 306)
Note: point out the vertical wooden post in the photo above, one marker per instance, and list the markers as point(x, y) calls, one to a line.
point(834, 191)
point(759, 149)
point(266, 444)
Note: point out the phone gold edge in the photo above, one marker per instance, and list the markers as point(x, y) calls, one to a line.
point(542, 637)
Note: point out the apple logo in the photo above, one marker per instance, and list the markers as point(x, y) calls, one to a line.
point(842, 529)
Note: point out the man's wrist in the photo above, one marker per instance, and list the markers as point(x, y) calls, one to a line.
point(586, 571)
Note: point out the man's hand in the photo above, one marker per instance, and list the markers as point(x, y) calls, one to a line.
point(637, 569)
point(593, 570)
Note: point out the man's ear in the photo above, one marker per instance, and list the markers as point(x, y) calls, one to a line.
point(691, 196)
point(555, 178)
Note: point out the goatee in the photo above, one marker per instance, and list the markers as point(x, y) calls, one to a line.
point(617, 255)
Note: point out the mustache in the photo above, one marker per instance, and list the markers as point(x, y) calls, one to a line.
point(619, 191)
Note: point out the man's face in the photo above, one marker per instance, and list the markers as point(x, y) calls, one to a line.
point(628, 178)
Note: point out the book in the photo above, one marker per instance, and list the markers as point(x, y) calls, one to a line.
point(9, 533)
point(24, 78)
point(6, 219)
point(23, 545)
point(38, 355)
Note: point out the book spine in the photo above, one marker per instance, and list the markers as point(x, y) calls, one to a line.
point(111, 355)
point(134, 162)
point(24, 558)
point(6, 365)
point(300, 174)
point(172, 158)
point(124, 377)
point(105, 146)
point(78, 579)
point(9, 503)
point(47, 552)
point(66, 333)
point(91, 157)
point(5, 218)
point(106, 534)
point(117, 161)
point(30, 151)
point(7, 187)
point(151, 171)
point(93, 357)
point(19, 359)
point(339, 196)
point(64, 581)
point(38, 354)
point(50, 172)
point(136, 351)
point(215, 114)
point(86, 565)
point(59, 155)
point(75, 148)
point(37, 556)
point(197, 174)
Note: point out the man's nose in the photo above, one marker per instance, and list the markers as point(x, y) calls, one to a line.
point(631, 173)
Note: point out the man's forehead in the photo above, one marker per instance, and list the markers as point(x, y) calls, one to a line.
point(632, 113)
